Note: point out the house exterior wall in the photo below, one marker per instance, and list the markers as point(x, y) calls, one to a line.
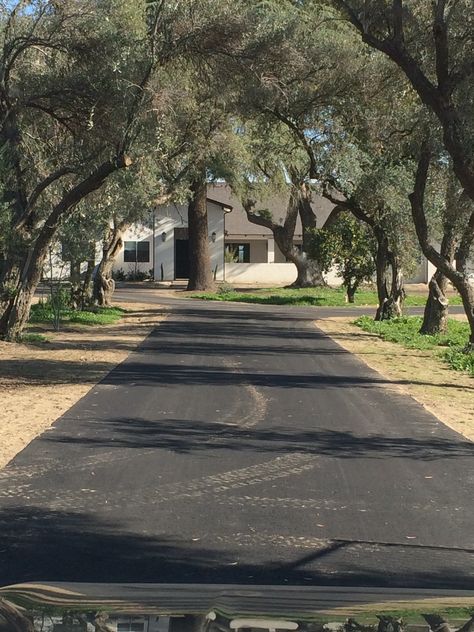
point(137, 232)
point(258, 251)
point(169, 218)
point(270, 273)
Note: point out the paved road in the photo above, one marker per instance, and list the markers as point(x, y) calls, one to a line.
point(239, 444)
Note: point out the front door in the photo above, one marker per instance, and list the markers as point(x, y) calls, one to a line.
point(181, 268)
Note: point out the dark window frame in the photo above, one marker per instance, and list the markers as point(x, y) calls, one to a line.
point(136, 251)
point(240, 251)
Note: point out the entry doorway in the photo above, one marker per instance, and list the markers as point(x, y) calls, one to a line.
point(181, 250)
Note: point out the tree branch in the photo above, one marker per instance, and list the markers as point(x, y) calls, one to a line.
point(440, 35)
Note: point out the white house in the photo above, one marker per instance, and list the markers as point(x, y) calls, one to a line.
point(241, 252)
point(160, 247)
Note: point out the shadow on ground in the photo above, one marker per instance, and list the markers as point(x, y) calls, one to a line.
point(184, 436)
point(41, 545)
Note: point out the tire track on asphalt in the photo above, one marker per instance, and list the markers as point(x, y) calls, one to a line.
point(278, 468)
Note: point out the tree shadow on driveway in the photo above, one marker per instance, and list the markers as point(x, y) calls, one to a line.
point(41, 545)
point(184, 436)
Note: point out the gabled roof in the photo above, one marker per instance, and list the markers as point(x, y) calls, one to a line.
point(223, 205)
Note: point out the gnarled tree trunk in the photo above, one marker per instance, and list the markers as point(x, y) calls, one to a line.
point(435, 318)
point(351, 289)
point(200, 273)
point(76, 287)
point(381, 268)
point(104, 284)
point(17, 313)
point(459, 276)
point(310, 272)
point(16, 620)
point(393, 305)
point(87, 285)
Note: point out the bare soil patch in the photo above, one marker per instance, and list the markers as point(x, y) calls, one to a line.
point(447, 394)
point(40, 382)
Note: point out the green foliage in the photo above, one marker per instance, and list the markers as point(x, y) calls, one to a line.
point(119, 275)
point(329, 297)
point(348, 245)
point(291, 297)
point(405, 331)
point(225, 288)
point(43, 313)
point(32, 338)
point(459, 360)
point(137, 275)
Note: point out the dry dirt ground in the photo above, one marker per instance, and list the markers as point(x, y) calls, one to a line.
point(39, 382)
point(446, 393)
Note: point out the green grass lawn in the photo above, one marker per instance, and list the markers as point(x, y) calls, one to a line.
point(405, 330)
point(42, 313)
point(330, 297)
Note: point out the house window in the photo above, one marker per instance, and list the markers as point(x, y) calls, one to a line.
point(137, 252)
point(240, 253)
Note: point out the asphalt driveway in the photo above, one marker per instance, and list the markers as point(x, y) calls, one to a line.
point(240, 444)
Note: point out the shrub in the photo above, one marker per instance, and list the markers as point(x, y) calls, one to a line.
point(137, 275)
point(225, 288)
point(118, 275)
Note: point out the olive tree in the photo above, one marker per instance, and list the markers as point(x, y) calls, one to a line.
point(73, 85)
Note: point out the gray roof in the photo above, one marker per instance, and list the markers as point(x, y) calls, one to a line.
point(236, 222)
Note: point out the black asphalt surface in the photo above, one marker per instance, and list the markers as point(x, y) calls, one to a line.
point(240, 445)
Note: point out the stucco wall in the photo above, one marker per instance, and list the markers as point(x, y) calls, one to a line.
point(258, 251)
point(272, 273)
point(170, 217)
point(137, 232)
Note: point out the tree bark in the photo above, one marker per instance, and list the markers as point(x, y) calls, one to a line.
point(76, 287)
point(87, 286)
point(351, 289)
point(393, 305)
point(459, 276)
point(435, 316)
point(104, 284)
point(200, 273)
point(383, 257)
point(435, 319)
point(310, 272)
point(17, 313)
point(381, 268)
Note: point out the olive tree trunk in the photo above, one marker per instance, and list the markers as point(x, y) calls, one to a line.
point(351, 289)
point(459, 276)
point(435, 318)
point(76, 286)
point(104, 284)
point(17, 621)
point(17, 311)
point(310, 273)
point(382, 259)
point(200, 273)
point(393, 305)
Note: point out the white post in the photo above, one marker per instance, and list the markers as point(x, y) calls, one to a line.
point(271, 250)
